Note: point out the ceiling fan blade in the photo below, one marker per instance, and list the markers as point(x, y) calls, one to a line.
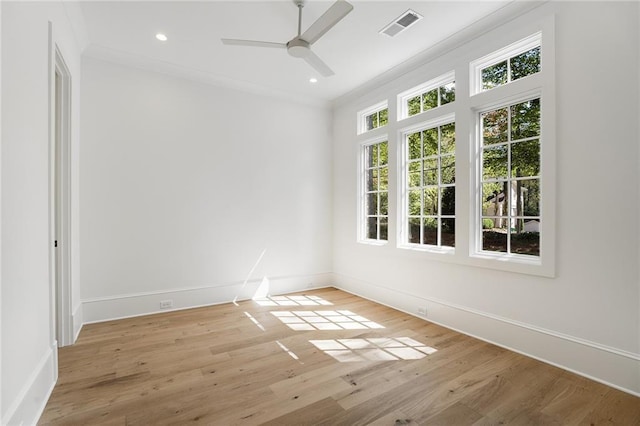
point(317, 63)
point(332, 16)
point(252, 43)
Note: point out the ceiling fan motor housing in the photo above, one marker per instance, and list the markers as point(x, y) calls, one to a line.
point(300, 45)
point(298, 48)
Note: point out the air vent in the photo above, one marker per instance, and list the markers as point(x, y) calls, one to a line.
point(400, 24)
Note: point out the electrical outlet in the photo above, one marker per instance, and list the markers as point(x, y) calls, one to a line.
point(166, 304)
point(310, 285)
point(422, 310)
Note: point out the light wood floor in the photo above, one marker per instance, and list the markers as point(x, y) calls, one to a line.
point(320, 357)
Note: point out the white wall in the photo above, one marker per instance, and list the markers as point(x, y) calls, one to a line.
point(586, 318)
point(184, 186)
point(638, 130)
point(28, 344)
point(1, 398)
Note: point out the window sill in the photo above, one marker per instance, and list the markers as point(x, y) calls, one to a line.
point(428, 249)
point(504, 257)
point(373, 242)
point(520, 264)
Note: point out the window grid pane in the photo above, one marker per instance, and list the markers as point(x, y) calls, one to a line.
point(510, 179)
point(376, 195)
point(430, 186)
point(377, 119)
point(510, 69)
point(431, 98)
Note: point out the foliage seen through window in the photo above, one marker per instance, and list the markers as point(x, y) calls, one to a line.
point(431, 186)
point(511, 179)
point(377, 119)
point(376, 191)
point(433, 98)
point(511, 69)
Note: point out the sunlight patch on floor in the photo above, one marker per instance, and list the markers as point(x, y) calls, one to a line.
point(255, 321)
point(374, 349)
point(324, 320)
point(288, 351)
point(292, 301)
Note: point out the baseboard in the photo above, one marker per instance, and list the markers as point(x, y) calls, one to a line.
point(77, 322)
point(131, 305)
point(28, 405)
point(610, 366)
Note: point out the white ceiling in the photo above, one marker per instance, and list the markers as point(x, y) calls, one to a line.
point(353, 48)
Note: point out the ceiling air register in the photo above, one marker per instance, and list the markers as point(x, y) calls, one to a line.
point(401, 23)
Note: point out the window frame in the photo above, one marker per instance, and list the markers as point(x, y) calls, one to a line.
point(363, 114)
point(480, 181)
point(514, 49)
point(403, 186)
point(362, 191)
point(434, 83)
point(538, 85)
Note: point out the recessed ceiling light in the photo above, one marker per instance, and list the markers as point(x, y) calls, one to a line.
point(161, 37)
point(313, 80)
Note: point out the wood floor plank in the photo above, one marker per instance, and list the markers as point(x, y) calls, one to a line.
point(315, 357)
point(308, 415)
point(528, 389)
point(454, 414)
point(395, 418)
point(615, 407)
point(568, 397)
point(394, 375)
point(418, 394)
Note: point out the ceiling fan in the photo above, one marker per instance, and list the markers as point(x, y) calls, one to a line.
point(300, 45)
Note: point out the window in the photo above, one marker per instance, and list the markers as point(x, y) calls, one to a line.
point(432, 94)
point(511, 220)
point(511, 63)
point(516, 67)
point(510, 178)
point(474, 169)
point(429, 185)
point(375, 200)
point(376, 119)
point(432, 99)
point(373, 117)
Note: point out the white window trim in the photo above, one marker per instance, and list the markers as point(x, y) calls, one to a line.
point(467, 105)
point(401, 225)
point(514, 49)
point(362, 115)
point(362, 213)
point(476, 240)
point(542, 85)
point(403, 98)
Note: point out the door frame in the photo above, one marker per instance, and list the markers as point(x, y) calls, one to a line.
point(59, 196)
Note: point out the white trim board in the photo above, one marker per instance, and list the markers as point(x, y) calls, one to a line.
point(1, 241)
point(27, 407)
point(77, 321)
point(131, 305)
point(610, 366)
point(60, 128)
